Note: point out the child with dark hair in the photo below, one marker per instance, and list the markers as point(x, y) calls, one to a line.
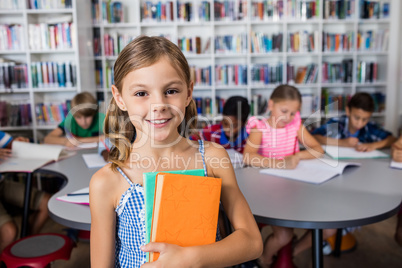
point(231, 132)
point(354, 129)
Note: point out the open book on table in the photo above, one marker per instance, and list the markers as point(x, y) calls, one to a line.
point(351, 153)
point(27, 157)
point(77, 197)
point(94, 160)
point(312, 171)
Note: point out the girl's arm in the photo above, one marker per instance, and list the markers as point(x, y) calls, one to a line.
point(102, 219)
point(243, 244)
point(313, 147)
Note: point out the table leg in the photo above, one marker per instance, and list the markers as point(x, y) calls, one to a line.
point(27, 198)
point(338, 242)
point(317, 248)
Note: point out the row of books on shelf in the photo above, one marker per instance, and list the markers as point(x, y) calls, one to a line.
point(53, 74)
point(265, 43)
point(234, 10)
point(337, 72)
point(114, 43)
point(230, 75)
point(302, 9)
point(205, 107)
point(373, 40)
point(109, 76)
point(11, 37)
point(107, 11)
point(51, 113)
point(339, 9)
point(302, 74)
point(332, 102)
point(370, 9)
point(367, 72)
point(229, 44)
point(157, 11)
point(338, 42)
point(45, 36)
point(266, 10)
point(35, 4)
point(201, 76)
point(302, 41)
point(12, 76)
point(49, 4)
point(264, 74)
point(190, 44)
point(15, 114)
point(225, 10)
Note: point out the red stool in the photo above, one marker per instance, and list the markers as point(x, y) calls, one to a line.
point(37, 251)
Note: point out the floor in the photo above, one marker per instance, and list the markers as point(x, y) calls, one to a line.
point(376, 248)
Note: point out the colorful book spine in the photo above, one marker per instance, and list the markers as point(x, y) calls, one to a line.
point(15, 113)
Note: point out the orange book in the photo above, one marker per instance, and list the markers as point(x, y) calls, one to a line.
point(185, 211)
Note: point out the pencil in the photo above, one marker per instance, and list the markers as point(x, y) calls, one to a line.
point(104, 144)
point(76, 194)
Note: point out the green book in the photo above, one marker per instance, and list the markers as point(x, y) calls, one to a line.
point(149, 195)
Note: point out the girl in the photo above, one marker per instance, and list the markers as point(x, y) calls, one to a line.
point(150, 113)
point(274, 143)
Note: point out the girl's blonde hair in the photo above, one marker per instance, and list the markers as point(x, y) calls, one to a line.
point(285, 92)
point(142, 52)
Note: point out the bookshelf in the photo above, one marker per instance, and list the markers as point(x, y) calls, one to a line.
point(248, 47)
point(46, 58)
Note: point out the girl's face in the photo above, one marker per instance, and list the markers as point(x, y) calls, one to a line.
point(155, 98)
point(282, 112)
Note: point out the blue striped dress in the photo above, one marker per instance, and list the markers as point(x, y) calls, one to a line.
point(130, 223)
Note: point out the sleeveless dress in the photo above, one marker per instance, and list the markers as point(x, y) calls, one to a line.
point(130, 223)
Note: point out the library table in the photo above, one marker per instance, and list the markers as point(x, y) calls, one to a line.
point(78, 175)
point(361, 195)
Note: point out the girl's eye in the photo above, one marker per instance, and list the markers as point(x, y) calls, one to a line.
point(140, 94)
point(171, 91)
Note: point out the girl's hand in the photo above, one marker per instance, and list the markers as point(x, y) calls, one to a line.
point(365, 147)
point(291, 162)
point(4, 154)
point(170, 255)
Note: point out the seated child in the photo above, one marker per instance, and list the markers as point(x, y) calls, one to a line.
point(83, 124)
point(354, 129)
point(13, 193)
point(231, 132)
point(274, 143)
point(397, 156)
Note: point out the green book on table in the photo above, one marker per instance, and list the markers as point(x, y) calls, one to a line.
point(149, 195)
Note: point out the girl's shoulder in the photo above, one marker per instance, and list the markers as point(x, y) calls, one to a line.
point(105, 181)
point(256, 122)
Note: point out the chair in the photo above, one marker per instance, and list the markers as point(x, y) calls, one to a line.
point(37, 251)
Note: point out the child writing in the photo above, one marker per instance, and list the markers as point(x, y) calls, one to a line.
point(355, 129)
point(83, 124)
point(12, 192)
point(231, 132)
point(274, 143)
point(151, 110)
